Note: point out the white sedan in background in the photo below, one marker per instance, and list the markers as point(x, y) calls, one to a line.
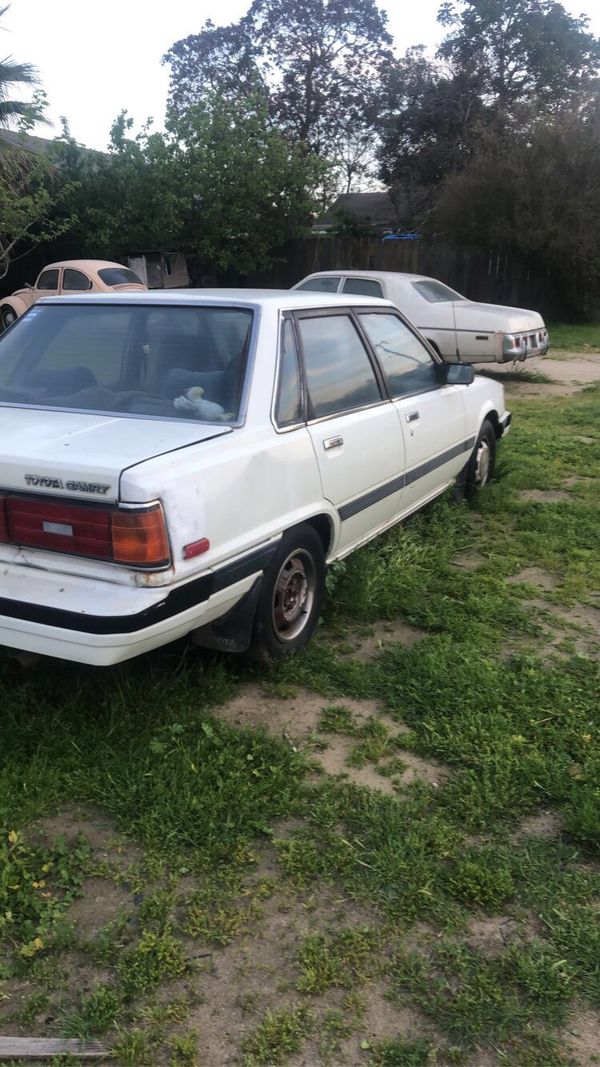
point(460, 330)
point(189, 463)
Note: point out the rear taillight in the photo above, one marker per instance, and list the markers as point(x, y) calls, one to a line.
point(135, 537)
point(139, 537)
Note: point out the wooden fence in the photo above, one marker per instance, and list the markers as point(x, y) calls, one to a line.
point(490, 277)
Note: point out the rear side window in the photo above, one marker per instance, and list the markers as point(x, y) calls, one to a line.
point(48, 280)
point(339, 375)
point(363, 287)
point(321, 285)
point(74, 281)
point(436, 292)
point(404, 360)
point(288, 408)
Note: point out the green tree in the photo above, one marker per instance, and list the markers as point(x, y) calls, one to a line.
point(220, 184)
point(525, 53)
point(247, 189)
point(536, 197)
point(319, 64)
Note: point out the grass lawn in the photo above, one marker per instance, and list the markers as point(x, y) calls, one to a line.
point(382, 853)
point(574, 338)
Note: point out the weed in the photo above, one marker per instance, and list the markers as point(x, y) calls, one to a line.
point(343, 959)
point(401, 1052)
point(156, 958)
point(93, 1014)
point(184, 1051)
point(478, 878)
point(337, 719)
point(132, 1048)
point(280, 1034)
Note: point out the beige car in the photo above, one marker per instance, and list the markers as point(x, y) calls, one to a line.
point(66, 277)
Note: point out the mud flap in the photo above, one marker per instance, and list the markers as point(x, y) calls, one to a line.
point(233, 631)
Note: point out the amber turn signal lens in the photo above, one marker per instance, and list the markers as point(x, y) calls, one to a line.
point(140, 537)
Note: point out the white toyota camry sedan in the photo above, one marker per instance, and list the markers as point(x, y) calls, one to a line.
point(190, 463)
point(459, 329)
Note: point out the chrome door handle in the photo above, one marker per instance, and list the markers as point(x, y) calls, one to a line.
point(332, 442)
point(412, 416)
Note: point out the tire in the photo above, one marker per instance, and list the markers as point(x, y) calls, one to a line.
point(9, 316)
point(482, 464)
point(291, 596)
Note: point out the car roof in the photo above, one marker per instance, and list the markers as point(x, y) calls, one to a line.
point(84, 264)
point(342, 273)
point(280, 299)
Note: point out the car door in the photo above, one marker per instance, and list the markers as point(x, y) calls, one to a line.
point(75, 281)
point(429, 305)
point(431, 414)
point(354, 428)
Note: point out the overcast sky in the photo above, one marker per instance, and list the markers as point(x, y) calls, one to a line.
point(95, 58)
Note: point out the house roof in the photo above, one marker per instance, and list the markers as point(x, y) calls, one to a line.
point(376, 209)
point(16, 139)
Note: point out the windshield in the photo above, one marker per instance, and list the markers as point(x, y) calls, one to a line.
point(173, 362)
point(119, 276)
point(436, 292)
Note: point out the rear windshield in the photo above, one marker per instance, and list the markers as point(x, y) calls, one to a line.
point(170, 362)
point(119, 276)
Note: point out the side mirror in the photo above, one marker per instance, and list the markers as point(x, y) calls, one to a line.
point(459, 374)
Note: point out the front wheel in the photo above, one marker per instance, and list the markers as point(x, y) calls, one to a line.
point(481, 466)
point(9, 316)
point(291, 596)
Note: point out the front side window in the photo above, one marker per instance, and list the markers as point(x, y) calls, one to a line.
point(339, 374)
point(48, 279)
point(321, 285)
point(363, 287)
point(174, 362)
point(404, 359)
point(436, 292)
point(288, 408)
point(74, 281)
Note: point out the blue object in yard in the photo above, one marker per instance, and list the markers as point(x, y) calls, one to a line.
point(401, 237)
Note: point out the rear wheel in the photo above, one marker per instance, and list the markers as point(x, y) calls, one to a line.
point(9, 316)
point(291, 596)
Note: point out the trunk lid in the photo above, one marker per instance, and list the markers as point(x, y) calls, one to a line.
point(470, 315)
point(82, 456)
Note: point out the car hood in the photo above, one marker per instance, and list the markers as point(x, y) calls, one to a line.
point(469, 315)
point(83, 455)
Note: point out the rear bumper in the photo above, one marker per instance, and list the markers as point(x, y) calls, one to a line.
point(126, 622)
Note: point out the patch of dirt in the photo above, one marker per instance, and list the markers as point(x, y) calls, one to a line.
point(333, 762)
point(258, 972)
point(295, 718)
point(383, 635)
point(382, 1019)
point(582, 1038)
point(96, 827)
point(579, 625)
point(102, 902)
point(468, 561)
point(492, 934)
point(535, 576)
point(572, 372)
point(546, 823)
point(544, 496)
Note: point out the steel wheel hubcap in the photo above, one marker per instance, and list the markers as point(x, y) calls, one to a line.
point(482, 467)
point(294, 595)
